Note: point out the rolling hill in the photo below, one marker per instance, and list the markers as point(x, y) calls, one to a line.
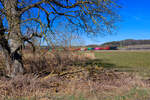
point(128, 42)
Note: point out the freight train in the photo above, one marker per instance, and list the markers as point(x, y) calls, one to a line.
point(89, 49)
point(97, 48)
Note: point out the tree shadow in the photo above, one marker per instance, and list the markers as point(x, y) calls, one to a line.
point(95, 62)
point(102, 63)
point(107, 65)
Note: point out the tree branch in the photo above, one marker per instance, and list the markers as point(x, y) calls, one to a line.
point(33, 47)
point(73, 5)
point(3, 11)
point(31, 6)
point(55, 2)
point(25, 38)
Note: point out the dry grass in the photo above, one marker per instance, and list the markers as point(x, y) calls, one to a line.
point(55, 62)
point(91, 82)
point(53, 76)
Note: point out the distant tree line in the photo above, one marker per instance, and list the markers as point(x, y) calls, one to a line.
point(127, 42)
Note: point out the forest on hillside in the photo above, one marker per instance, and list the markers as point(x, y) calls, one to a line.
point(127, 42)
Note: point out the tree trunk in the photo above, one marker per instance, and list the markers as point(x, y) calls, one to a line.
point(16, 58)
point(14, 64)
point(15, 45)
point(5, 47)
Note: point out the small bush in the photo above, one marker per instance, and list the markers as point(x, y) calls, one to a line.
point(55, 62)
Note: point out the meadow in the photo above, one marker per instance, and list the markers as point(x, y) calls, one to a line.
point(91, 75)
point(133, 61)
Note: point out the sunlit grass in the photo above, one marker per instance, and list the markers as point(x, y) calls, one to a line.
point(127, 60)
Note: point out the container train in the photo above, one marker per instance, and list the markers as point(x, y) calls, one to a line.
point(90, 49)
point(97, 48)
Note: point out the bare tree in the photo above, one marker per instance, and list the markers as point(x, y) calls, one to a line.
point(90, 16)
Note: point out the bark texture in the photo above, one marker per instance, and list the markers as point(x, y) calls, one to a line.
point(12, 50)
point(5, 47)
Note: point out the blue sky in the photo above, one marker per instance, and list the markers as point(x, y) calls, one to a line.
point(135, 24)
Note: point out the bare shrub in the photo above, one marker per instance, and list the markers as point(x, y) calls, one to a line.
point(55, 62)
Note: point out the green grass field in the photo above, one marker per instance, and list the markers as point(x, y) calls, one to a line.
point(126, 60)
